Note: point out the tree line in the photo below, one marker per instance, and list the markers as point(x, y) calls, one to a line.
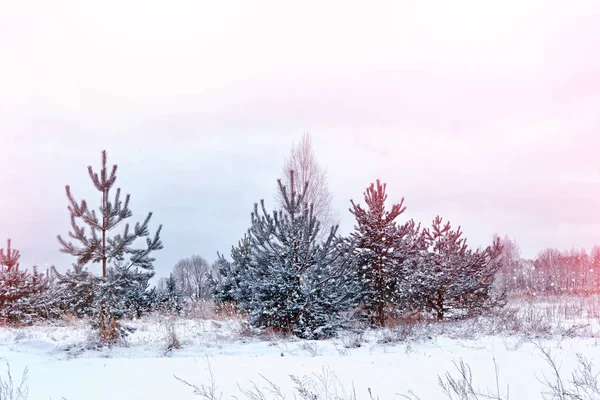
point(551, 272)
point(291, 271)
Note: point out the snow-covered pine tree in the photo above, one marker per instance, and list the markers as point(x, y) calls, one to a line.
point(168, 297)
point(474, 286)
point(77, 288)
point(9, 258)
point(226, 282)
point(381, 250)
point(231, 286)
point(297, 284)
point(14, 284)
point(139, 297)
point(453, 277)
point(40, 303)
point(23, 294)
point(123, 267)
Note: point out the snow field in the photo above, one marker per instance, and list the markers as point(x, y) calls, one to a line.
point(390, 362)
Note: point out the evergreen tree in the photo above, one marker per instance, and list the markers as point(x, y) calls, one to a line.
point(40, 304)
point(168, 297)
point(226, 282)
point(141, 299)
point(14, 285)
point(381, 250)
point(451, 276)
point(77, 291)
point(231, 286)
point(9, 259)
point(124, 268)
point(296, 283)
point(23, 294)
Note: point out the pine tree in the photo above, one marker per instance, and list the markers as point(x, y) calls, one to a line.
point(381, 250)
point(453, 277)
point(40, 302)
point(227, 281)
point(77, 291)
point(9, 259)
point(231, 286)
point(124, 268)
point(168, 297)
point(297, 284)
point(140, 300)
point(14, 285)
point(23, 294)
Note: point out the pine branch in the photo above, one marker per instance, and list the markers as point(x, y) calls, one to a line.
point(152, 245)
point(81, 211)
point(10, 259)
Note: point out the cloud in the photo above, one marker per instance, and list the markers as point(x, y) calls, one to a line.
point(485, 114)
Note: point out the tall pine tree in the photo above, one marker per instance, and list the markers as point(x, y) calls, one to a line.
point(295, 282)
point(124, 268)
point(381, 250)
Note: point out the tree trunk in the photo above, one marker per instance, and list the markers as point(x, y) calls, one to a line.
point(109, 332)
point(440, 306)
point(381, 315)
point(104, 201)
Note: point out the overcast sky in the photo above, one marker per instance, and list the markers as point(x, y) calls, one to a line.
point(486, 113)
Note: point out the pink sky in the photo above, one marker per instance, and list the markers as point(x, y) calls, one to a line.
point(485, 114)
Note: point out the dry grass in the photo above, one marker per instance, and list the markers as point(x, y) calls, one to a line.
point(172, 340)
point(323, 386)
point(9, 390)
point(209, 310)
point(227, 310)
point(205, 324)
point(581, 385)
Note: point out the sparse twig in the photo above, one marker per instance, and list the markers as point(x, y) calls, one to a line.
point(207, 392)
point(9, 390)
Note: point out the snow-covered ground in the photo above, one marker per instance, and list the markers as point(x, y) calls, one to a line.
point(389, 362)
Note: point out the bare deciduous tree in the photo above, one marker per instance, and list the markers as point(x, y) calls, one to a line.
point(510, 275)
point(307, 170)
point(191, 276)
point(552, 271)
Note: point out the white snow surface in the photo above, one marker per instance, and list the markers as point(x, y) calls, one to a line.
point(60, 366)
